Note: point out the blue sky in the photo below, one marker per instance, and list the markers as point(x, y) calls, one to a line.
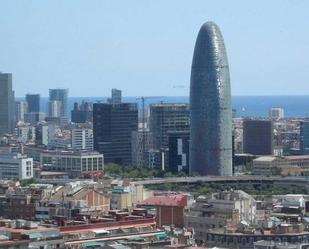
point(145, 47)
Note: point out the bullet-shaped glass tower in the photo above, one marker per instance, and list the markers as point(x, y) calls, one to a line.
point(210, 105)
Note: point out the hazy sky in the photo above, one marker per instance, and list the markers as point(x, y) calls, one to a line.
point(145, 47)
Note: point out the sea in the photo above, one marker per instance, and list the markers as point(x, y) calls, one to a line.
point(245, 106)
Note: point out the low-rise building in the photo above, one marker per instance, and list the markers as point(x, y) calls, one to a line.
point(15, 166)
point(74, 162)
point(267, 165)
point(169, 209)
point(219, 210)
point(26, 234)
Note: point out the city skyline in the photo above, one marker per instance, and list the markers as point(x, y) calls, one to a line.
point(104, 45)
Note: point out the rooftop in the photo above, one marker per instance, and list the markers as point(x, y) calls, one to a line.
point(177, 200)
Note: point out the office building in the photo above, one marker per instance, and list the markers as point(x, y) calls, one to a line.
point(54, 109)
point(21, 108)
point(141, 142)
point(276, 113)
point(304, 137)
point(33, 102)
point(72, 162)
point(82, 139)
point(15, 166)
point(210, 105)
point(7, 104)
point(82, 113)
point(258, 137)
point(116, 97)
point(62, 96)
point(113, 126)
point(165, 118)
point(178, 151)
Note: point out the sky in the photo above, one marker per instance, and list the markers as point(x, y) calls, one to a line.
point(145, 47)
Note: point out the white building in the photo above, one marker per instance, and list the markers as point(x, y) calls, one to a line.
point(276, 113)
point(25, 133)
point(82, 139)
point(15, 166)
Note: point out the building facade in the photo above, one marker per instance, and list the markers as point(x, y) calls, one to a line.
point(73, 162)
point(210, 105)
point(54, 108)
point(141, 142)
point(82, 113)
point(62, 96)
point(276, 113)
point(113, 126)
point(7, 104)
point(21, 108)
point(33, 102)
point(165, 118)
point(258, 137)
point(82, 139)
point(304, 137)
point(178, 153)
point(16, 166)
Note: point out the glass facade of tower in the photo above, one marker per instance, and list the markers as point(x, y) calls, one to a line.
point(166, 117)
point(7, 104)
point(33, 102)
point(62, 96)
point(304, 137)
point(210, 105)
point(112, 127)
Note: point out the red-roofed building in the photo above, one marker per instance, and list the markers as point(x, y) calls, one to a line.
point(169, 209)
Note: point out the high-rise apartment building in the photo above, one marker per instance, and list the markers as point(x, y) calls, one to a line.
point(258, 137)
point(33, 102)
point(210, 105)
point(62, 96)
point(7, 104)
point(113, 126)
point(165, 118)
point(82, 139)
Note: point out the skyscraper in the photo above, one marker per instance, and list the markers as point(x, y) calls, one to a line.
point(258, 137)
point(33, 102)
point(112, 127)
point(62, 96)
point(116, 97)
point(210, 105)
point(7, 104)
point(165, 117)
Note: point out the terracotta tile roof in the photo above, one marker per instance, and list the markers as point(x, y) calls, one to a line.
point(166, 200)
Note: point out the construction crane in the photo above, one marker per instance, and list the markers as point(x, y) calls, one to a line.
point(142, 98)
